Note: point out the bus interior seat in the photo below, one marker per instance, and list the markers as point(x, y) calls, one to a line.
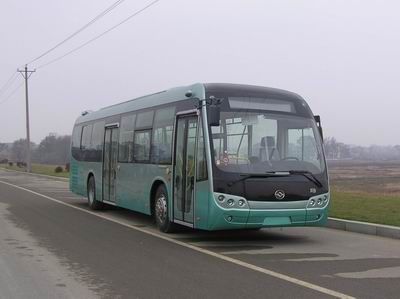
point(268, 149)
point(254, 159)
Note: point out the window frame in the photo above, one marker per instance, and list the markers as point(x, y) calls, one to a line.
point(91, 132)
point(150, 130)
point(164, 125)
point(134, 116)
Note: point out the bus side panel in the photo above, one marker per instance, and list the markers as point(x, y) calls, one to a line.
point(79, 172)
point(202, 205)
point(129, 188)
point(76, 177)
point(134, 184)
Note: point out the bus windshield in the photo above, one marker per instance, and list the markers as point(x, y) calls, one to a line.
point(254, 142)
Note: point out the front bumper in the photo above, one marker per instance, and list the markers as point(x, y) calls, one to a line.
point(268, 214)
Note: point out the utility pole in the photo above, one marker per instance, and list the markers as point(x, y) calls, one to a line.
point(26, 74)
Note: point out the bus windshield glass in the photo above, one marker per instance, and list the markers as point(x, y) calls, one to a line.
point(257, 142)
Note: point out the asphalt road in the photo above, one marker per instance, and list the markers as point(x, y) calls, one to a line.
point(52, 246)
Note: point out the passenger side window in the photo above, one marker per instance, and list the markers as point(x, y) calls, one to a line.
point(162, 135)
point(86, 137)
point(126, 138)
point(76, 143)
point(141, 151)
point(98, 136)
point(144, 119)
point(76, 137)
point(97, 141)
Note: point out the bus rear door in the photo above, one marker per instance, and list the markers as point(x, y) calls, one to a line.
point(110, 163)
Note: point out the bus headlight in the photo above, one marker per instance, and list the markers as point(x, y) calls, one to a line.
point(221, 198)
point(318, 201)
point(228, 201)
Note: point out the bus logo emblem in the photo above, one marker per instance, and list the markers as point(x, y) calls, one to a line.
point(279, 194)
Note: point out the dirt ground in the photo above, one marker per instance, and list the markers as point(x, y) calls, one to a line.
point(381, 178)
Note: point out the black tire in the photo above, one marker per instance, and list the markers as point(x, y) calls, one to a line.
point(160, 211)
point(93, 203)
point(254, 229)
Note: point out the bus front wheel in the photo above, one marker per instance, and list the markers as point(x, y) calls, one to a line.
point(161, 210)
point(91, 194)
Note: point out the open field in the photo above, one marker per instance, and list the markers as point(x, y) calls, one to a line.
point(382, 178)
point(363, 191)
point(39, 169)
point(366, 191)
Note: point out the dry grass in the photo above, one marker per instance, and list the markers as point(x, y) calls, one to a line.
point(39, 169)
point(379, 178)
point(366, 191)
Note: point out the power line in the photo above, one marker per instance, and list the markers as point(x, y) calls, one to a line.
point(102, 14)
point(8, 83)
point(100, 35)
point(12, 93)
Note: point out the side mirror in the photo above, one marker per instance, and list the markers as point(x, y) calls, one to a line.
point(318, 121)
point(214, 115)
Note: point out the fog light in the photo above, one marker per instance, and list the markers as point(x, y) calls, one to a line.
point(229, 218)
point(231, 202)
point(221, 197)
point(241, 202)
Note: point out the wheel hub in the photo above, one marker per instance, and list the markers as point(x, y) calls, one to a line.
point(161, 209)
point(91, 194)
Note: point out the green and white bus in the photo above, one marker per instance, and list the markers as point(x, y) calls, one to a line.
point(207, 156)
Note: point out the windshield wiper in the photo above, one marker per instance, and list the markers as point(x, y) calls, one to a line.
point(246, 176)
point(307, 174)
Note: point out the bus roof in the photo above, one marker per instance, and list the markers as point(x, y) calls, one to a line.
point(199, 90)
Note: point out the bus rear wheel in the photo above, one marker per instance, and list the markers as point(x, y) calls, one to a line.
point(161, 210)
point(91, 195)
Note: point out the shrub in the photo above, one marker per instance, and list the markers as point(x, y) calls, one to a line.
point(4, 161)
point(21, 164)
point(58, 169)
point(10, 164)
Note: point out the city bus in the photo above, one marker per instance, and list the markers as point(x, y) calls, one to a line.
point(208, 156)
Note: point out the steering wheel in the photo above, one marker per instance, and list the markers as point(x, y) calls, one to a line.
point(291, 158)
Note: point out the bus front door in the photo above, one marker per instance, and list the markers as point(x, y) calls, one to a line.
point(110, 163)
point(184, 169)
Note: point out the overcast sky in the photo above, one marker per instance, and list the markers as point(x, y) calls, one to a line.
point(343, 57)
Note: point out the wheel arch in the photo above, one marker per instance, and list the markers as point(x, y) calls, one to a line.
point(89, 175)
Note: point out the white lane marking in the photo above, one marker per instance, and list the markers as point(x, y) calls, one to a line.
point(388, 272)
point(199, 249)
